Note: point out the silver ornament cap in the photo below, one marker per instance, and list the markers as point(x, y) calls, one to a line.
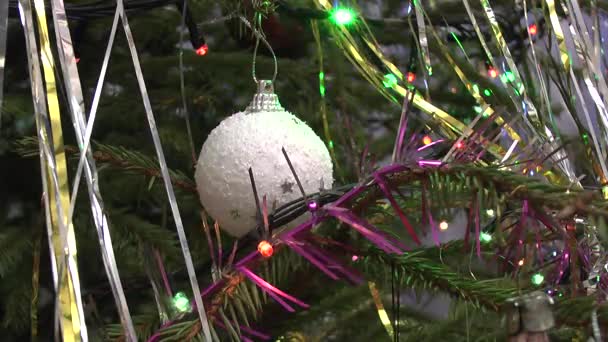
point(265, 100)
point(530, 313)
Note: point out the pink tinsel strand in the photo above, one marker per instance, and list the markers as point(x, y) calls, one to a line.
point(387, 193)
point(264, 285)
point(429, 162)
point(364, 228)
point(247, 330)
point(333, 263)
point(163, 273)
point(294, 246)
point(422, 148)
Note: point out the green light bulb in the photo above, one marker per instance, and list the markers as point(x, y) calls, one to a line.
point(389, 80)
point(343, 16)
point(181, 303)
point(538, 279)
point(485, 237)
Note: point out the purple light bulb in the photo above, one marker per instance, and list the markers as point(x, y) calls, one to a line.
point(312, 206)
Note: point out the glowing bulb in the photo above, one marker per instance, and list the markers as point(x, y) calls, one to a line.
point(485, 237)
point(459, 144)
point(443, 225)
point(389, 80)
point(427, 140)
point(343, 16)
point(492, 72)
point(265, 249)
point(355, 258)
point(411, 77)
point(538, 279)
point(521, 262)
point(490, 212)
point(202, 50)
point(312, 206)
point(181, 303)
point(532, 29)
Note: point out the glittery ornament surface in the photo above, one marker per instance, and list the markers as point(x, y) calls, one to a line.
point(254, 139)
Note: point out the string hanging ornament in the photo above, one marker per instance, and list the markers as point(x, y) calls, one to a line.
point(254, 138)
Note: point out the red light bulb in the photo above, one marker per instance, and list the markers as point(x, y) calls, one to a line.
point(411, 77)
point(533, 29)
point(459, 144)
point(265, 249)
point(492, 72)
point(202, 50)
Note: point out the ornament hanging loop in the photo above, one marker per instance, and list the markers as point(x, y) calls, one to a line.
point(260, 36)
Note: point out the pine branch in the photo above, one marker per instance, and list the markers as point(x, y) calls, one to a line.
point(117, 157)
point(131, 227)
point(422, 273)
point(566, 201)
point(14, 247)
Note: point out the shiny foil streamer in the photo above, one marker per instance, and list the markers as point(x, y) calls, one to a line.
point(94, 107)
point(54, 169)
point(76, 106)
point(423, 41)
point(546, 104)
point(165, 173)
point(502, 44)
point(535, 125)
point(382, 315)
point(529, 108)
point(323, 105)
point(581, 48)
point(559, 34)
point(486, 109)
point(486, 49)
point(449, 126)
point(3, 34)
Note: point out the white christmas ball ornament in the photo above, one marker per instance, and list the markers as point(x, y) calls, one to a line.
point(254, 139)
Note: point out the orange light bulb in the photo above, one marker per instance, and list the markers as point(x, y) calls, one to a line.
point(427, 140)
point(265, 249)
point(532, 29)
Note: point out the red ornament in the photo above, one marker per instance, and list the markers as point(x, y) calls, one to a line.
point(265, 249)
point(427, 140)
point(202, 50)
point(411, 77)
point(492, 72)
point(532, 29)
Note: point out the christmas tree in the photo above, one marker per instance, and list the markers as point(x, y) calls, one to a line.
point(442, 176)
